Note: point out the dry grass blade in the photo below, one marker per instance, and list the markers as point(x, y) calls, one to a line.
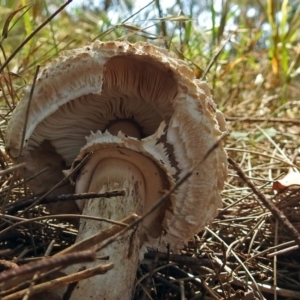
point(263, 119)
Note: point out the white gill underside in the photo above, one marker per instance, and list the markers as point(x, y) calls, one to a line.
point(67, 128)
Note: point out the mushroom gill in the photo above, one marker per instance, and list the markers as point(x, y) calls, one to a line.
point(138, 90)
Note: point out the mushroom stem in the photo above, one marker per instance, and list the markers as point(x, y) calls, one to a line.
point(128, 127)
point(118, 283)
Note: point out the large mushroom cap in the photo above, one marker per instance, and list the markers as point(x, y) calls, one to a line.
point(89, 88)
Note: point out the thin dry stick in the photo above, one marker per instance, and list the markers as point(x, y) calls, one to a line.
point(275, 120)
point(215, 57)
point(58, 282)
point(68, 197)
point(11, 169)
point(48, 263)
point(277, 213)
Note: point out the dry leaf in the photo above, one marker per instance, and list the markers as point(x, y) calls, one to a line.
point(290, 181)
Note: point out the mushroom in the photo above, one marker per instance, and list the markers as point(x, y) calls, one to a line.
point(147, 122)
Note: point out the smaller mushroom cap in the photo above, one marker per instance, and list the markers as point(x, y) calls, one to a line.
point(146, 155)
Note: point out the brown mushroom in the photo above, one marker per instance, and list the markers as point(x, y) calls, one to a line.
point(151, 122)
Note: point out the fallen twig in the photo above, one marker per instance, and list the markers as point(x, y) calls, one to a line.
point(48, 263)
point(58, 282)
point(68, 197)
